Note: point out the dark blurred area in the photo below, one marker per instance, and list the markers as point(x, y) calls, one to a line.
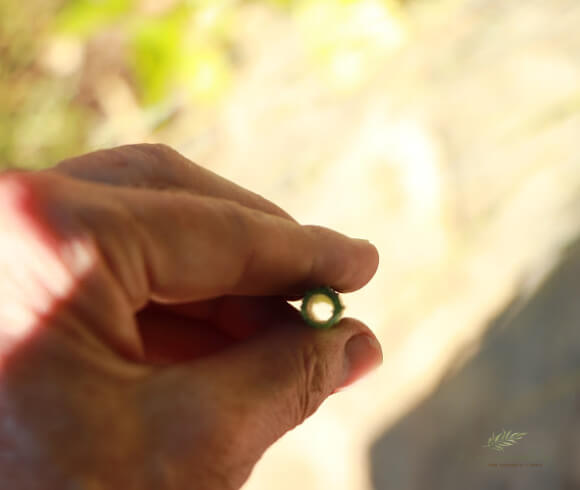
point(525, 375)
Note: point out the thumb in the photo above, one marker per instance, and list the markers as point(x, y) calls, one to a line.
point(272, 382)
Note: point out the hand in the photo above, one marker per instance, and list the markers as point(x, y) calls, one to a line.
point(145, 337)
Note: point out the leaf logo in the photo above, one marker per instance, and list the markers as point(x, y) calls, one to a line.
point(504, 439)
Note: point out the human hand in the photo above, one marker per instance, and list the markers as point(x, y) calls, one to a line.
point(145, 337)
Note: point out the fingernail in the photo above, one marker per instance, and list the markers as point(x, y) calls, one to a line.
point(363, 353)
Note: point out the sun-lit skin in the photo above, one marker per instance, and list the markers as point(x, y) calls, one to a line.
point(146, 341)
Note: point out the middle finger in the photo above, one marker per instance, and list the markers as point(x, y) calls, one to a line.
point(160, 167)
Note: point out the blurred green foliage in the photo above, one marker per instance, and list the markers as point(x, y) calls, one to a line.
point(173, 50)
point(158, 54)
point(86, 17)
point(38, 122)
point(167, 50)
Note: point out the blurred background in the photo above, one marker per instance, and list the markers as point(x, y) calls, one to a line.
point(445, 131)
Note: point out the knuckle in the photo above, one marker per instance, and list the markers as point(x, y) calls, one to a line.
point(314, 375)
point(161, 165)
point(98, 166)
point(236, 222)
point(160, 152)
point(149, 165)
point(317, 231)
point(118, 235)
point(322, 234)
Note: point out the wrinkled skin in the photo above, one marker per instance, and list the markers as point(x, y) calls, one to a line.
point(145, 337)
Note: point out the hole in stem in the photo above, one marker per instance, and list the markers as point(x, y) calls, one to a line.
point(320, 308)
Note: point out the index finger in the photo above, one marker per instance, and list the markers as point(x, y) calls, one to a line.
point(199, 248)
